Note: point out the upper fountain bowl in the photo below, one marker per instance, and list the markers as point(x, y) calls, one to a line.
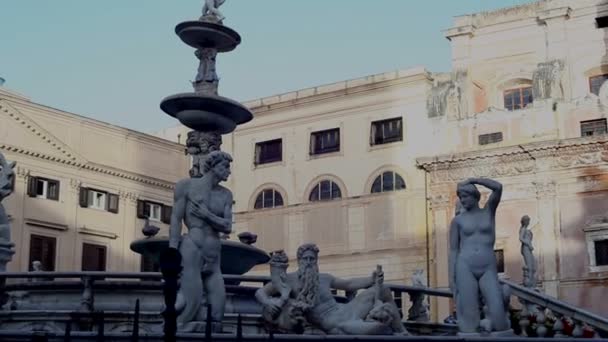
point(206, 112)
point(202, 34)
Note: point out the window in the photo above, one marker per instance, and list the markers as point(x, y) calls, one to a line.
point(601, 252)
point(386, 131)
point(154, 211)
point(601, 22)
point(593, 127)
point(268, 151)
point(490, 138)
point(97, 199)
point(595, 83)
point(517, 98)
point(268, 198)
point(148, 264)
point(500, 260)
point(42, 248)
point(43, 188)
point(93, 257)
point(325, 141)
point(388, 181)
point(324, 191)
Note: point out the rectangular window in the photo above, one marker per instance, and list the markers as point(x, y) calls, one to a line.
point(386, 131)
point(93, 257)
point(517, 98)
point(325, 141)
point(43, 188)
point(97, 199)
point(268, 151)
point(593, 127)
point(500, 260)
point(490, 138)
point(91, 198)
point(155, 211)
point(42, 248)
point(595, 83)
point(601, 252)
point(601, 22)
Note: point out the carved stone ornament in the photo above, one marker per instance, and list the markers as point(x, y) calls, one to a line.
point(545, 188)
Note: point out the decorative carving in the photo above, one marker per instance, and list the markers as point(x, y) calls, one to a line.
point(547, 80)
point(22, 172)
point(597, 220)
point(372, 312)
point(199, 145)
point(206, 80)
point(525, 237)
point(419, 311)
point(439, 201)
point(7, 182)
point(545, 188)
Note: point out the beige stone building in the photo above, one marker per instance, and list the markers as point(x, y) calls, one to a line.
point(82, 187)
point(523, 104)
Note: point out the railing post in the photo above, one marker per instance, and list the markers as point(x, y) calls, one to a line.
point(135, 336)
point(558, 327)
point(87, 302)
point(68, 331)
point(170, 266)
point(541, 329)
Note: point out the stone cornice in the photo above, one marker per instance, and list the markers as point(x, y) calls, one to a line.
point(88, 166)
point(554, 13)
point(516, 160)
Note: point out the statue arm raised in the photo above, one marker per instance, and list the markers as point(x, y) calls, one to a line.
point(454, 247)
point(353, 284)
point(220, 224)
point(493, 185)
point(179, 209)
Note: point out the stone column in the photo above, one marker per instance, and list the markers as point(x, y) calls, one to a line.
point(548, 221)
point(460, 38)
point(440, 218)
point(555, 32)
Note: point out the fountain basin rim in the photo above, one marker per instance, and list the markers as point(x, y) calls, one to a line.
point(203, 34)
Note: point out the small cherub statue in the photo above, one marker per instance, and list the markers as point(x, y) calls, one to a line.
point(210, 9)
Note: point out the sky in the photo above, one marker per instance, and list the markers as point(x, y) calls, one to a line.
point(115, 60)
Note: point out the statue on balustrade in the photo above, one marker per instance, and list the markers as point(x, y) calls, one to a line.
point(206, 209)
point(7, 183)
point(294, 301)
point(419, 311)
point(472, 264)
point(525, 237)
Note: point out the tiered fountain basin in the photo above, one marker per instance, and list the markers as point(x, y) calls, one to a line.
point(203, 34)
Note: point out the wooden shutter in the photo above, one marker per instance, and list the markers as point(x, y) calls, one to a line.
point(84, 197)
point(53, 190)
point(113, 203)
point(93, 257)
point(141, 209)
point(166, 214)
point(32, 183)
point(42, 248)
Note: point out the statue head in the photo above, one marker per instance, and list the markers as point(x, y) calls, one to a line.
point(7, 177)
point(218, 162)
point(278, 259)
point(308, 254)
point(36, 265)
point(525, 220)
point(468, 195)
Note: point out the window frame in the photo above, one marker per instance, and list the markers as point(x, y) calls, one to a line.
point(258, 152)
point(151, 206)
point(317, 188)
point(314, 139)
point(500, 263)
point(374, 125)
point(602, 120)
point(520, 89)
point(591, 85)
point(262, 193)
point(489, 137)
point(99, 246)
point(43, 237)
point(380, 176)
point(47, 183)
point(595, 232)
point(91, 199)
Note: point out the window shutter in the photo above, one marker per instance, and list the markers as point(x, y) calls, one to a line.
point(313, 143)
point(257, 153)
point(84, 197)
point(53, 190)
point(372, 135)
point(13, 181)
point(113, 202)
point(141, 207)
point(93, 257)
point(166, 214)
point(31, 186)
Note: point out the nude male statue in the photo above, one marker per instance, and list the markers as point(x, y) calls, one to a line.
point(472, 264)
point(372, 312)
point(206, 209)
point(211, 8)
point(525, 237)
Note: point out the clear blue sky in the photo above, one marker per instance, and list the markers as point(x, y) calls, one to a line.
point(114, 60)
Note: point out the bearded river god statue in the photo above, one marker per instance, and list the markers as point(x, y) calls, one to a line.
point(295, 301)
point(472, 264)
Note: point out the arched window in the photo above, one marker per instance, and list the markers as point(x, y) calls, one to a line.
point(518, 98)
point(388, 181)
point(268, 198)
point(595, 83)
point(325, 190)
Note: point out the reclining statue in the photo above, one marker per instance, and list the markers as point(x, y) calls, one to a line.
point(293, 301)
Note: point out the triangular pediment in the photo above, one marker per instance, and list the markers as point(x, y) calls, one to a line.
point(20, 133)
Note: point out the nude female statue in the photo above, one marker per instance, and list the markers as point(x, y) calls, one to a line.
point(525, 237)
point(472, 264)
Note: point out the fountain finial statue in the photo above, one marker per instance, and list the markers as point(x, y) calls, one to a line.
point(210, 9)
point(525, 237)
point(472, 264)
point(206, 209)
point(7, 179)
point(372, 312)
